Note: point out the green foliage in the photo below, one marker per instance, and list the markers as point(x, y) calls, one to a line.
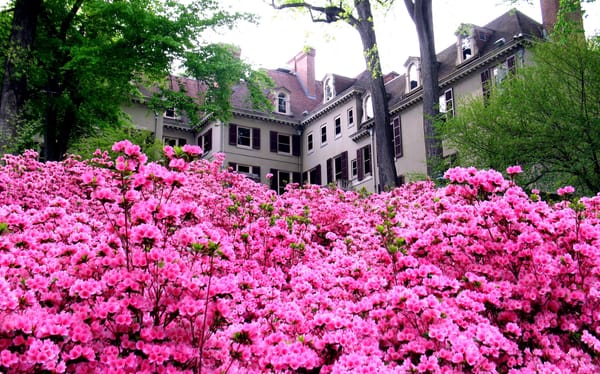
point(92, 56)
point(103, 139)
point(545, 118)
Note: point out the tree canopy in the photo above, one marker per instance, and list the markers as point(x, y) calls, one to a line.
point(86, 58)
point(546, 118)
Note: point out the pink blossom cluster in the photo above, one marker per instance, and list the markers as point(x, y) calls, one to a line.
point(120, 265)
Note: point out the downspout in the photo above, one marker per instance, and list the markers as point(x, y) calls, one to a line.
point(374, 158)
point(299, 132)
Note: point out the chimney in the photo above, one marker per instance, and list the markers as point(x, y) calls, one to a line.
point(550, 9)
point(303, 64)
point(549, 14)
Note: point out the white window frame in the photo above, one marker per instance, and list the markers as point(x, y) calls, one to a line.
point(337, 126)
point(350, 117)
point(323, 133)
point(238, 137)
point(310, 142)
point(444, 103)
point(328, 89)
point(174, 116)
point(353, 168)
point(368, 108)
point(173, 141)
point(289, 137)
point(280, 185)
point(286, 98)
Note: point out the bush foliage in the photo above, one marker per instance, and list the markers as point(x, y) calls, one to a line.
point(119, 265)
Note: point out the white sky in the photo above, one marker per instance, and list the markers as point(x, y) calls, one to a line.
point(280, 35)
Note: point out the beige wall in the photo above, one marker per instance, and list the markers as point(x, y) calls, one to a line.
point(412, 163)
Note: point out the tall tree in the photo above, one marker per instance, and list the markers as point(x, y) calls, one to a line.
point(18, 55)
point(546, 118)
point(358, 14)
point(421, 13)
point(90, 57)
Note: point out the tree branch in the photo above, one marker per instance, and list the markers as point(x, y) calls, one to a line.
point(331, 13)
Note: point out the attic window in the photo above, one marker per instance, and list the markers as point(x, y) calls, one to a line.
point(413, 76)
point(368, 108)
point(282, 102)
point(467, 52)
point(328, 89)
point(482, 36)
point(171, 113)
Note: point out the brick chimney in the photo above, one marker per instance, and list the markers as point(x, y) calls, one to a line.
point(550, 10)
point(549, 13)
point(303, 64)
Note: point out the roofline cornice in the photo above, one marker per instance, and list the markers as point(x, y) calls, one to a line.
point(336, 102)
point(466, 69)
point(242, 113)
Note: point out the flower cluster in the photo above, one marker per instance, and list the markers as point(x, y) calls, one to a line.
point(119, 265)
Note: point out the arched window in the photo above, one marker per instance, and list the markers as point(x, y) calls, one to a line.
point(328, 89)
point(368, 107)
point(282, 101)
point(413, 76)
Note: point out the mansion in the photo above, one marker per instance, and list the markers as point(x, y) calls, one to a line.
point(322, 131)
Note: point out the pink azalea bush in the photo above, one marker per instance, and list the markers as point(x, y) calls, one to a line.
point(119, 265)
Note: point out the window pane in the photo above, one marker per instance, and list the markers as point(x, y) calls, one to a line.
point(283, 143)
point(338, 126)
point(244, 136)
point(281, 103)
point(324, 134)
point(309, 142)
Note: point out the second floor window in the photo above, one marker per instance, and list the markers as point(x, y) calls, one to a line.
point(244, 137)
point(323, 134)
point(338, 126)
point(350, 117)
point(309, 142)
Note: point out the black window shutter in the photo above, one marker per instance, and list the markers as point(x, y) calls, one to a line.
point(232, 134)
point(329, 170)
point(208, 141)
point(274, 181)
point(398, 148)
point(273, 141)
point(296, 177)
point(232, 165)
point(255, 138)
point(510, 64)
point(296, 145)
point(256, 170)
point(359, 164)
point(345, 165)
point(318, 175)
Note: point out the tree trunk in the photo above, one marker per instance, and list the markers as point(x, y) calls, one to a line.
point(14, 83)
point(384, 137)
point(421, 13)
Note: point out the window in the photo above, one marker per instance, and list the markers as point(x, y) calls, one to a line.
point(413, 76)
point(354, 167)
point(328, 89)
point(252, 172)
point(309, 142)
point(447, 103)
point(284, 143)
point(281, 179)
point(337, 168)
point(363, 157)
point(497, 74)
point(368, 107)
point(338, 126)
point(174, 142)
point(313, 176)
point(244, 137)
point(397, 129)
point(205, 141)
point(282, 101)
point(350, 117)
point(465, 44)
point(171, 113)
point(323, 135)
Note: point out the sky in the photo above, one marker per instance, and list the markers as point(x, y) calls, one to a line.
point(280, 35)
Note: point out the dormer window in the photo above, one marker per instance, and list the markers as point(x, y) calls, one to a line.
point(171, 113)
point(367, 108)
point(413, 73)
point(282, 102)
point(465, 44)
point(413, 76)
point(328, 89)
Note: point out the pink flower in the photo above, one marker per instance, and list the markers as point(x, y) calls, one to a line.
point(566, 190)
point(192, 150)
point(513, 170)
